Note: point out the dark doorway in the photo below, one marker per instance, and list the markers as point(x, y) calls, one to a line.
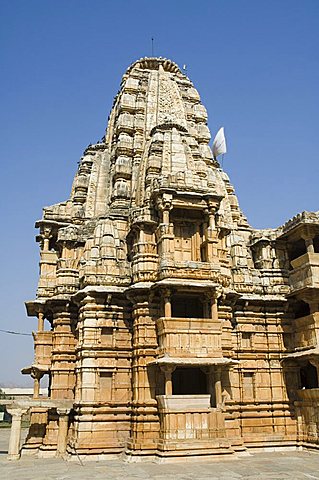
point(296, 249)
point(189, 381)
point(308, 376)
point(187, 306)
point(316, 244)
point(301, 309)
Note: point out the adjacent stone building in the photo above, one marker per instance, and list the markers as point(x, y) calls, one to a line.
point(170, 325)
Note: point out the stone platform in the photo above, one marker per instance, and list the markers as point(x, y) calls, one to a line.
point(292, 465)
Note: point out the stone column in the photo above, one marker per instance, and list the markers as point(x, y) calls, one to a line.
point(15, 433)
point(218, 387)
point(63, 430)
point(36, 387)
point(167, 303)
point(168, 370)
point(40, 321)
point(46, 239)
point(214, 308)
point(141, 235)
point(211, 219)
point(165, 230)
point(165, 217)
point(36, 375)
point(165, 206)
point(209, 372)
point(309, 245)
point(212, 209)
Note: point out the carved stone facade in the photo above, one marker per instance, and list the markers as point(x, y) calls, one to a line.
point(175, 328)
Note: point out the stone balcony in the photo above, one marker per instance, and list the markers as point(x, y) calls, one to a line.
point(43, 348)
point(189, 337)
point(206, 272)
point(187, 420)
point(191, 270)
point(307, 413)
point(305, 272)
point(306, 333)
point(47, 280)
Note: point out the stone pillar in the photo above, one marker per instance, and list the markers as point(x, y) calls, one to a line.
point(167, 303)
point(46, 239)
point(15, 433)
point(212, 209)
point(211, 219)
point(309, 245)
point(218, 387)
point(165, 214)
point(165, 206)
point(165, 230)
point(141, 235)
point(63, 431)
point(214, 308)
point(168, 370)
point(36, 387)
point(209, 372)
point(40, 322)
point(36, 375)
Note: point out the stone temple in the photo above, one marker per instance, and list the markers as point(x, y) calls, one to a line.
point(167, 325)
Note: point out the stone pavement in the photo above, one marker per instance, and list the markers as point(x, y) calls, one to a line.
point(261, 466)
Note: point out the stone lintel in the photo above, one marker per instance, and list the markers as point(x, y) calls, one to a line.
point(183, 282)
point(96, 289)
point(25, 404)
point(193, 361)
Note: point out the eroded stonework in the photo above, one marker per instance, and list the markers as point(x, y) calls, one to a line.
point(175, 328)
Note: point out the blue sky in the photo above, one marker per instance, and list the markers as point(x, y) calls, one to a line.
point(254, 62)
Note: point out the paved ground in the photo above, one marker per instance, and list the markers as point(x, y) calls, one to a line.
point(262, 466)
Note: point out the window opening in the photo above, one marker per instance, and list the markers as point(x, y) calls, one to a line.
point(189, 381)
point(308, 376)
point(187, 306)
point(296, 249)
point(316, 244)
point(301, 309)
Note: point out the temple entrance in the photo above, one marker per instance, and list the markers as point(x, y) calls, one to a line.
point(189, 381)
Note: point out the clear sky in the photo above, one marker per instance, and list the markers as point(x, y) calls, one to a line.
point(254, 62)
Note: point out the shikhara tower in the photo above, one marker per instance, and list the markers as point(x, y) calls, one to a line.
point(176, 328)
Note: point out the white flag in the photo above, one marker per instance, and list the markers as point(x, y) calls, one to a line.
point(219, 144)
